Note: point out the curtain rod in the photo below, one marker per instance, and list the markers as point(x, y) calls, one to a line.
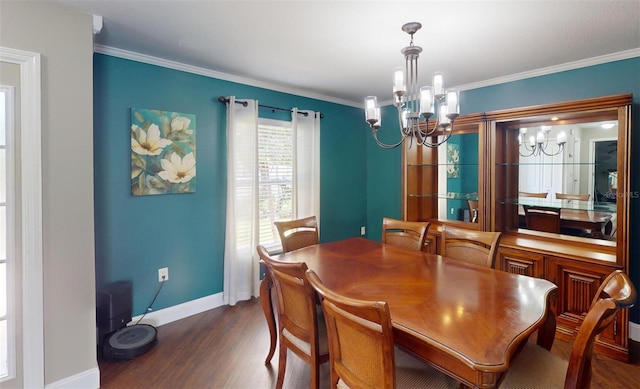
point(225, 100)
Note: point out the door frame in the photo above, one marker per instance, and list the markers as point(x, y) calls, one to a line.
point(30, 160)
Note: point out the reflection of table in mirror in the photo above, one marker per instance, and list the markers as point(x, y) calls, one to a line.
point(574, 214)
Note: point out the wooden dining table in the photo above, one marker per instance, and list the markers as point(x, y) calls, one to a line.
point(466, 320)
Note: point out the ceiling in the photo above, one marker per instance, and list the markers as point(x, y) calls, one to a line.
point(342, 51)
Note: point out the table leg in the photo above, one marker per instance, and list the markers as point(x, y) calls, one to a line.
point(547, 332)
point(597, 232)
point(267, 307)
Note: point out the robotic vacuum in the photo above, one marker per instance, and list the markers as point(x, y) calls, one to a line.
point(130, 342)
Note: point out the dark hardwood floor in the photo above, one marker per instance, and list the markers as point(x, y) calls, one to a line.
point(226, 347)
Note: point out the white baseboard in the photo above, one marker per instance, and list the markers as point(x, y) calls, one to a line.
point(634, 331)
point(180, 311)
point(86, 379)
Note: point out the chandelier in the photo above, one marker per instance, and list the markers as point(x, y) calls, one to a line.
point(539, 144)
point(416, 105)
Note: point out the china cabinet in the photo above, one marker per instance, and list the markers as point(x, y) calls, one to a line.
point(593, 163)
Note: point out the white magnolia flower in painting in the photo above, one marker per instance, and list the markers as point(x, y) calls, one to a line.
point(148, 142)
point(451, 169)
point(181, 124)
point(178, 170)
point(454, 154)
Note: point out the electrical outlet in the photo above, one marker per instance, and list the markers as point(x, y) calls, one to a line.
point(362, 230)
point(163, 274)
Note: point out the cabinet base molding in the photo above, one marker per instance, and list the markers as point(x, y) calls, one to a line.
point(614, 351)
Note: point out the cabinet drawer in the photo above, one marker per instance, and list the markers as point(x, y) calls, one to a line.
point(520, 262)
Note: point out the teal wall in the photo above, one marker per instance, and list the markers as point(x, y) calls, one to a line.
point(383, 175)
point(185, 232)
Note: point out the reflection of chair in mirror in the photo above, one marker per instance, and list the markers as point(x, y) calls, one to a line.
point(411, 235)
point(566, 196)
point(361, 346)
point(479, 247)
point(296, 234)
point(612, 226)
point(300, 328)
point(546, 219)
point(472, 205)
point(534, 194)
point(536, 367)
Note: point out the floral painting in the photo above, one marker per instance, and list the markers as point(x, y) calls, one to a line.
point(163, 152)
point(453, 160)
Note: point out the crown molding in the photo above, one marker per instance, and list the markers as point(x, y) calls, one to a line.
point(115, 52)
point(554, 69)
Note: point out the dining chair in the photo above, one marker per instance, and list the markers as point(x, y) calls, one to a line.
point(299, 233)
point(408, 234)
point(361, 346)
point(472, 205)
point(536, 367)
point(542, 195)
point(565, 196)
point(546, 219)
point(479, 247)
point(301, 326)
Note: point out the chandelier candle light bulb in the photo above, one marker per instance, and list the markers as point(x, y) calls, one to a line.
point(562, 137)
point(438, 83)
point(426, 101)
point(415, 105)
point(399, 87)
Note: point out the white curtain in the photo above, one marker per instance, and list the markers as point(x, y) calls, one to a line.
point(306, 130)
point(241, 268)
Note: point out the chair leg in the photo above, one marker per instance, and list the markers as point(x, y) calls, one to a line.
point(267, 307)
point(315, 373)
point(282, 364)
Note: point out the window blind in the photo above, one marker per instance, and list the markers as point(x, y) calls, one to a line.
point(275, 179)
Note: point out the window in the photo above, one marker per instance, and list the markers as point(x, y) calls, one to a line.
point(275, 178)
point(7, 319)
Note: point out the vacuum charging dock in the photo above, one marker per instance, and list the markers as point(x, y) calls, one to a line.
point(115, 338)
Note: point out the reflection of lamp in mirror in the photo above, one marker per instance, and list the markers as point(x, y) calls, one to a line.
point(539, 144)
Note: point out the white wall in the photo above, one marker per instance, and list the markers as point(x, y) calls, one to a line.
point(65, 41)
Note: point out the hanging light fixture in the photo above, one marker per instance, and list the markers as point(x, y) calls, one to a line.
point(539, 144)
point(416, 105)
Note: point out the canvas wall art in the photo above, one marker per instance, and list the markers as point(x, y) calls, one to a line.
point(163, 152)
